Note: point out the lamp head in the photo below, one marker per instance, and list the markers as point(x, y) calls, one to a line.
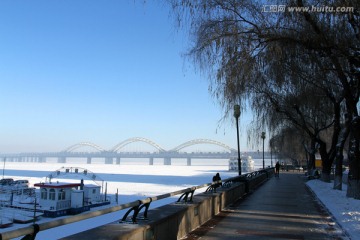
point(263, 135)
point(236, 111)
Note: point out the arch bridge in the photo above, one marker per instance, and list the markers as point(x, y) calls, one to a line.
point(83, 144)
point(115, 154)
point(202, 141)
point(122, 144)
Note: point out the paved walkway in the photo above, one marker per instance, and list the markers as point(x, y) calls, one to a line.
point(282, 208)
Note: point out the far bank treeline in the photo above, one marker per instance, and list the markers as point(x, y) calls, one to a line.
point(297, 67)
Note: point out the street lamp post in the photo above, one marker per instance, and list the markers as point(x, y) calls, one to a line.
point(263, 138)
point(237, 115)
point(271, 157)
point(271, 151)
point(4, 166)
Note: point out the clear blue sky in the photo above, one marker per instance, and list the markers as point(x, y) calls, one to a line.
point(99, 71)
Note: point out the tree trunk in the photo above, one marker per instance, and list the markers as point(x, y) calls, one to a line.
point(326, 162)
point(353, 189)
point(340, 156)
point(354, 160)
point(311, 153)
point(338, 169)
point(325, 177)
point(337, 144)
point(311, 163)
point(338, 182)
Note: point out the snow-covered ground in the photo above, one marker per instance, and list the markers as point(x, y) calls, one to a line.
point(138, 181)
point(346, 211)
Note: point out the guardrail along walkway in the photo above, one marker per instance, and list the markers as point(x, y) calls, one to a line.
point(282, 208)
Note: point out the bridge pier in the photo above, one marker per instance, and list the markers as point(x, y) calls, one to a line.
point(189, 161)
point(88, 160)
point(62, 160)
point(167, 161)
point(118, 160)
point(109, 160)
point(151, 161)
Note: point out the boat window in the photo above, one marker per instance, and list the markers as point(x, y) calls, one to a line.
point(43, 193)
point(61, 194)
point(52, 194)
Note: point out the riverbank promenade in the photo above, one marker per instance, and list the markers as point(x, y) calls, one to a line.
point(281, 208)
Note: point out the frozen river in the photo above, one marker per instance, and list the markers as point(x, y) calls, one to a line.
point(132, 181)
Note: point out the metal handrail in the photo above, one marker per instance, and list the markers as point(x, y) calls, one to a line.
point(56, 223)
point(29, 230)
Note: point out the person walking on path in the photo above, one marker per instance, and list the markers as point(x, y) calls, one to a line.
point(277, 169)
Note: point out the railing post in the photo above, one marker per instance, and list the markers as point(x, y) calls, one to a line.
point(185, 196)
point(33, 235)
point(136, 210)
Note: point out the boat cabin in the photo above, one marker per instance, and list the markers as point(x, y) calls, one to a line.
point(56, 196)
point(91, 194)
point(59, 198)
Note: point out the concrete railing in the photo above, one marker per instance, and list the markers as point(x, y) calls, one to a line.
point(183, 216)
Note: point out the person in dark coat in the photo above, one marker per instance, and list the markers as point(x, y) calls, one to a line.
point(277, 169)
point(216, 178)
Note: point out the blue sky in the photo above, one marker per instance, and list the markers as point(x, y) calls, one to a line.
point(99, 71)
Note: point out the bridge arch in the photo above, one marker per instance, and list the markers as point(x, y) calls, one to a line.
point(118, 146)
point(83, 144)
point(202, 141)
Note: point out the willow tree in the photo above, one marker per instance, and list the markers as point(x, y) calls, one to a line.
point(249, 52)
point(289, 143)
